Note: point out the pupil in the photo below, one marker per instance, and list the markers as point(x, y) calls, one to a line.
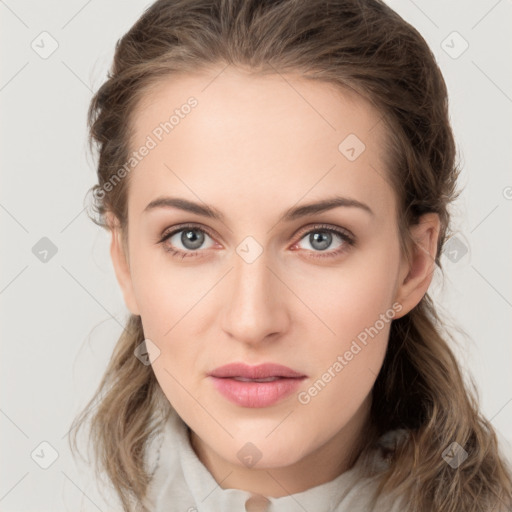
point(320, 240)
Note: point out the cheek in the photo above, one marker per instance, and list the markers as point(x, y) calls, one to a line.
point(360, 312)
point(166, 294)
point(353, 296)
point(356, 302)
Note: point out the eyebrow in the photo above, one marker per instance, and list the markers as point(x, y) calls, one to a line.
point(289, 215)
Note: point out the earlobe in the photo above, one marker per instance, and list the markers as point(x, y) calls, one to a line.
point(121, 264)
point(417, 272)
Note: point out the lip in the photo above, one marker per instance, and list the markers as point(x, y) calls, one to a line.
point(260, 371)
point(255, 394)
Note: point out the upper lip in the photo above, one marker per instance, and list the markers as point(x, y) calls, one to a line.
point(260, 371)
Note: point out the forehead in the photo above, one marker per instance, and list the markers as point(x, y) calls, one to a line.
point(267, 140)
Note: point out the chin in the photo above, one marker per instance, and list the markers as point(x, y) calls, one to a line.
point(262, 453)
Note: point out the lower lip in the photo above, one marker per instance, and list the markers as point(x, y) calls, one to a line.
point(256, 394)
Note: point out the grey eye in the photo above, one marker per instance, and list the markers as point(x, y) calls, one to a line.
point(320, 240)
point(190, 239)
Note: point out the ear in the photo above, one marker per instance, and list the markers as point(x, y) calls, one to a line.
point(416, 272)
point(119, 256)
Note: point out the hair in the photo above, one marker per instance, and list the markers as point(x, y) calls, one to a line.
point(358, 45)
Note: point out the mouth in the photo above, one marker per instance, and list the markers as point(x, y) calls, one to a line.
point(255, 386)
point(259, 372)
point(243, 379)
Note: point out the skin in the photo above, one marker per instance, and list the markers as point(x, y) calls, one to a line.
point(253, 148)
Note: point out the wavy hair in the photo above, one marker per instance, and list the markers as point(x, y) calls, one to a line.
point(365, 46)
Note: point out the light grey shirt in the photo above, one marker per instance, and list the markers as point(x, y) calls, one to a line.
point(181, 483)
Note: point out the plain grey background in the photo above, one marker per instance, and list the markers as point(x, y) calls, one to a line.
point(61, 309)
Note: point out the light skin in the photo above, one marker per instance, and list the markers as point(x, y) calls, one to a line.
point(253, 148)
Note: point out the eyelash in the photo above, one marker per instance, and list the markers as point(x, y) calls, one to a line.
point(343, 234)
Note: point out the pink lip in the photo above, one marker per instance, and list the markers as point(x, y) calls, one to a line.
point(255, 394)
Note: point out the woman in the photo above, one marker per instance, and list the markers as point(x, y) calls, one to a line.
point(276, 178)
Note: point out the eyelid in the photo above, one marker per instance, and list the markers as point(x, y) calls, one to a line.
point(328, 227)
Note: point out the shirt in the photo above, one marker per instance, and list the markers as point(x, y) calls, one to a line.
point(181, 483)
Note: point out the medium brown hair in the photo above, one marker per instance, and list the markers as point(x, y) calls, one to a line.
point(365, 46)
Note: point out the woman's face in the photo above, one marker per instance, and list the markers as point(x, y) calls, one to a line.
point(265, 280)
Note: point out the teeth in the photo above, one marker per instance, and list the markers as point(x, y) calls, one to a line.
point(268, 379)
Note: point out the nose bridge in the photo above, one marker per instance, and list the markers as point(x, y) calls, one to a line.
point(251, 281)
point(254, 308)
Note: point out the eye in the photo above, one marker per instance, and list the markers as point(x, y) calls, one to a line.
point(188, 240)
point(185, 241)
point(321, 238)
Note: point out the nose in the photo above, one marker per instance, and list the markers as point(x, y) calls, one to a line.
point(255, 307)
